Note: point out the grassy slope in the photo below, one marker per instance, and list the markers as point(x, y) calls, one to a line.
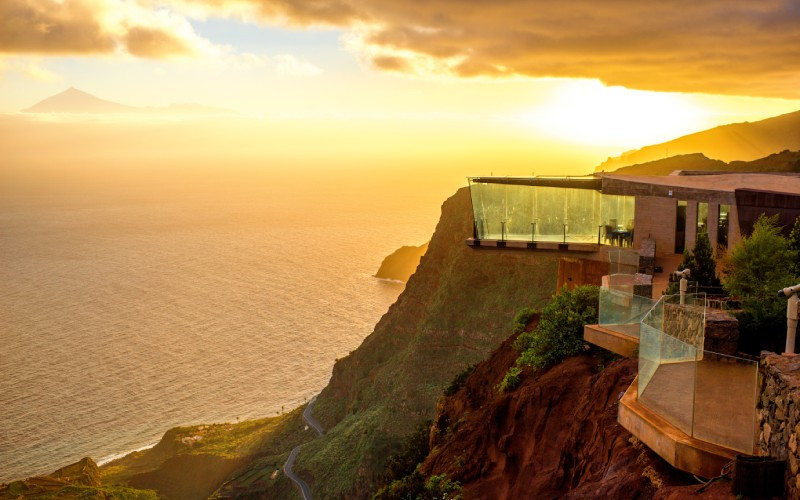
point(242, 455)
point(455, 310)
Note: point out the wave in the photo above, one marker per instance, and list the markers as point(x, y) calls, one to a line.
point(389, 280)
point(116, 456)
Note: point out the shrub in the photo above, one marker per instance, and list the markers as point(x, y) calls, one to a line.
point(523, 317)
point(459, 380)
point(560, 330)
point(415, 486)
point(511, 380)
point(415, 448)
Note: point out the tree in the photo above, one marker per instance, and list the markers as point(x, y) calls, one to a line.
point(794, 243)
point(761, 263)
point(754, 271)
point(700, 262)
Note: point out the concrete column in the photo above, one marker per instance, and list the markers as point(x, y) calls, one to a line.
point(734, 233)
point(691, 224)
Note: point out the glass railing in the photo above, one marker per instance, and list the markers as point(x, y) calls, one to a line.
point(620, 309)
point(709, 396)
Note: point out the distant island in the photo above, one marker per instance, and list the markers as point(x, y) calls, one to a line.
point(402, 263)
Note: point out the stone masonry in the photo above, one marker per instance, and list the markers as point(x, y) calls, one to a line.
point(779, 414)
point(719, 334)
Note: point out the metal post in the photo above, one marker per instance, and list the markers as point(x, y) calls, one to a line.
point(791, 315)
point(599, 229)
point(533, 231)
point(503, 231)
point(684, 288)
point(791, 322)
point(565, 233)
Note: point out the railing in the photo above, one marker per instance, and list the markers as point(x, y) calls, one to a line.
point(620, 309)
point(709, 396)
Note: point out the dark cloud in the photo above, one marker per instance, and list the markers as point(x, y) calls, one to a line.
point(31, 26)
point(740, 47)
point(146, 42)
point(716, 46)
point(83, 27)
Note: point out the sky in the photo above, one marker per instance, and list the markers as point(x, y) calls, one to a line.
point(528, 79)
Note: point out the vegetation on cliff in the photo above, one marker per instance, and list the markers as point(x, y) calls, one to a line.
point(556, 435)
point(454, 311)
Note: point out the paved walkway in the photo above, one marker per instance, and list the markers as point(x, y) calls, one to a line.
point(287, 467)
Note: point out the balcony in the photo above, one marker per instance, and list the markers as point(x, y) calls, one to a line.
point(694, 407)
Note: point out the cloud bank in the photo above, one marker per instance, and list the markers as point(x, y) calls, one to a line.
point(714, 46)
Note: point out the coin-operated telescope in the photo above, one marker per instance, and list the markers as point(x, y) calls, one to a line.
point(683, 275)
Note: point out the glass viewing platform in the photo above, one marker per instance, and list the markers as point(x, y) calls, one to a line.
point(550, 210)
point(690, 387)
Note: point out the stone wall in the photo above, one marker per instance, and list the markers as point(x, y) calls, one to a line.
point(779, 414)
point(719, 334)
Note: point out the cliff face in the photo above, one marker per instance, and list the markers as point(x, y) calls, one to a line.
point(454, 311)
point(556, 435)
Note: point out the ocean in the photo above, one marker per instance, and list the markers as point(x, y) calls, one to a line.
point(124, 312)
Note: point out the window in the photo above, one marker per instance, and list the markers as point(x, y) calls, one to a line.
point(680, 227)
point(722, 225)
point(702, 218)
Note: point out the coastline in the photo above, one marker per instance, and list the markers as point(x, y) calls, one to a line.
point(116, 456)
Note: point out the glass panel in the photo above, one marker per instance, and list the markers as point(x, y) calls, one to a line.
point(523, 213)
point(620, 310)
point(623, 261)
point(722, 225)
point(670, 389)
point(582, 215)
point(519, 212)
point(726, 385)
point(550, 213)
point(617, 219)
point(702, 217)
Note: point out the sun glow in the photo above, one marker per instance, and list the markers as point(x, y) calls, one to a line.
point(591, 113)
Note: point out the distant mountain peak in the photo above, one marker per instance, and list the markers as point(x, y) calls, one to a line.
point(74, 100)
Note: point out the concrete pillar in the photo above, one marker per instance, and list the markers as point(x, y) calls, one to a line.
point(734, 233)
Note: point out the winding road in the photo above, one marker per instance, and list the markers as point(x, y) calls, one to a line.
point(287, 467)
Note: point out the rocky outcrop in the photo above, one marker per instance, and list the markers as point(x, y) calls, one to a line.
point(402, 263)
point(556, 435)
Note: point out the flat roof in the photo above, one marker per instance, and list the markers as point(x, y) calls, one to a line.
point(724, 183)
point(560, 182)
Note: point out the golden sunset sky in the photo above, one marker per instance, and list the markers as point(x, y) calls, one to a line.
point(512, 86)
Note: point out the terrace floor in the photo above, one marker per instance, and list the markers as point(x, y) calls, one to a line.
point(720, 409)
